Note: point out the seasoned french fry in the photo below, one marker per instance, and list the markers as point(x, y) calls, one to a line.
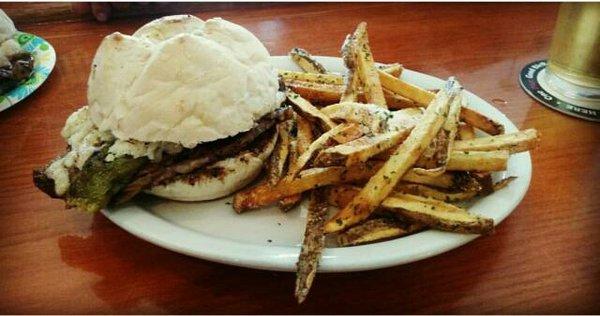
point(372, 116)
point(367, 72)
point(276, 163)
point(350, 133)
point(435, 158)
point(438, 215)
point(434, 155)
point(325, 94)
point(465, 131)
point(304, 137)
point(305, 61)
point(404, 118)
point(478, 160)
point(316, 93)
point(369, 115)
point(431, 212)
point(341, 195)
point(421, 96)
point(445, 180)
point(293, 157)
point(304, 134)
point(450, 128)
point(468, 181)
point(347, 192)
point(438, 194)
point(360, 150)
point(481, 121)
point(263, 195)
point(503, 183)
point(376, 230)
point(288, 75)
point(350, 91)
point(514, 142)
point(467, 161)
point(332, 78)
point(288, 202)
point(382, 183)
point(484, 179)
point(317, 145)
point(309, 111)
point(312, 245)
point(396, 102)
point(394, 69)
point(416, 202)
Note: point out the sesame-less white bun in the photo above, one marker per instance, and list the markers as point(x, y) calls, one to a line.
point(7, 27)
point(8, 46)
point(219, 179)
point(182, 80)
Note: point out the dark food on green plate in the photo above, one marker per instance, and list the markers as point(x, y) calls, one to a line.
point(16, 64)
point(19, 69)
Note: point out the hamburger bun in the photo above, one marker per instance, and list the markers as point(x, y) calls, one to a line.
point(7, 27)
point(219, 179)
point(182, 80)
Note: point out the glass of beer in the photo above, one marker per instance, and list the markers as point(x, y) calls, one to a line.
point(574, 63)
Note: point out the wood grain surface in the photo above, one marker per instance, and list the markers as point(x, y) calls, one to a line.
point(544, 258)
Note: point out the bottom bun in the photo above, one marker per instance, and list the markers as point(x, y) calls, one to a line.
point(219, 179)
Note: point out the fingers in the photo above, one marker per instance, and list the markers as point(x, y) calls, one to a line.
point(81, 7)
point(101, 11)
point(121, 6)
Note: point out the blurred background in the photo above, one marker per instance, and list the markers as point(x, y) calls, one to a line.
point(27, 12)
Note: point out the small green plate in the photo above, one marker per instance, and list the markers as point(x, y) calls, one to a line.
point(45, 58)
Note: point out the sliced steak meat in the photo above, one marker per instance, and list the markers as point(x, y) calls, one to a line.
point(200, 156)
point(19, 69)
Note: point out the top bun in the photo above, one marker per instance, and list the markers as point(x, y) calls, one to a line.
point(183, 80)
point(7, 27)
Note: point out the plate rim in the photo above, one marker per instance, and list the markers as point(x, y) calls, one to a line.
point(8, 102)
point(135, 220)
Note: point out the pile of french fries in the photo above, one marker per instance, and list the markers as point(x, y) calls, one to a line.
point(392, 157)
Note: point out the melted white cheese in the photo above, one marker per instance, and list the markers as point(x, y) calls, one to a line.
point(57, 172)
point(8, 48)
point(154, 151)
point(85, 139)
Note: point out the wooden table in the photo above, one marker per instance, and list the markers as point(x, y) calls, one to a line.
point(544, 258)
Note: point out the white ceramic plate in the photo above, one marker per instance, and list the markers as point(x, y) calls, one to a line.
point(269, 239)
point(44, 60)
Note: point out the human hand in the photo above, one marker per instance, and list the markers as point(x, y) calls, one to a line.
point(102, 11)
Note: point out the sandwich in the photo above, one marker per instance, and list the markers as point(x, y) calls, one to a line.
point(16, 64)
point(184, 109)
